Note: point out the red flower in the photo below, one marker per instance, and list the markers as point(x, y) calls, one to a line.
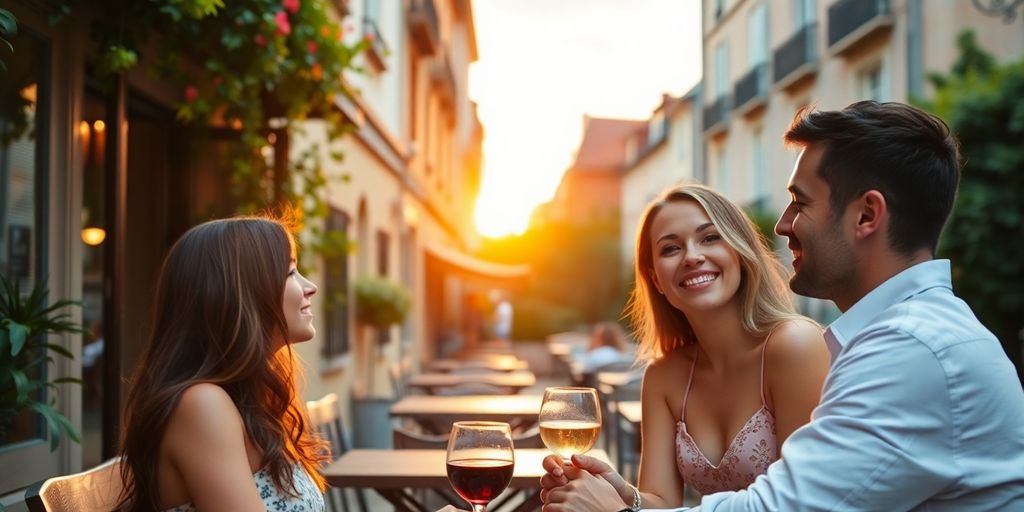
point(191, 93)
point(291, 6)
point(260, 40)
point(311, 46)
point(368, 37)
point(284, 27)
point(317, 71)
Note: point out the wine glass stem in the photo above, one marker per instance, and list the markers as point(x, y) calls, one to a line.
point(479, 508)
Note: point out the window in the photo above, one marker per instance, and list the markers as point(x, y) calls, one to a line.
point(719, 8)
point(804, 13)
point(757, 33)
point(721, 70)
point(872, 83)
point(656, 128)
point(722, 178)
point(336, 304)
point(383, 252)
point(760, 166)
point(23, 185)
point(682, 136)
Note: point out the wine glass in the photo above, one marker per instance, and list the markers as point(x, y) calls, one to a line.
point(570, 420)
point(480, 460)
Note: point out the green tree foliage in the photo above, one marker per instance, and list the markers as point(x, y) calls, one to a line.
point(576, 275)
point(983, 102)
point(258, 67)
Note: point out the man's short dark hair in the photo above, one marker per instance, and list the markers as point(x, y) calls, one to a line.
point(908, 155)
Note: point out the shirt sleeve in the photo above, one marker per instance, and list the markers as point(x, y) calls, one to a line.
point(880, 440)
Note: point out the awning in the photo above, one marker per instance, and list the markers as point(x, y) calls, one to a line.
point(471, 266)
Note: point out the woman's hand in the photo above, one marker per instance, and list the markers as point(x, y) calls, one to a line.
point(590, 476)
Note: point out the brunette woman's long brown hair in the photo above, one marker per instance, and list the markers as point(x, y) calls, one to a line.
point(217, 313)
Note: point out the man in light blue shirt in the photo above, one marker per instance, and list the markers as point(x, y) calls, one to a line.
point(921, 409)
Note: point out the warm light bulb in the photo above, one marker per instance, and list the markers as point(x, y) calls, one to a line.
point(99, 125)
point(93, 236)
point(83, 128)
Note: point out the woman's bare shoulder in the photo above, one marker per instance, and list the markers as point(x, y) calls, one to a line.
point(669, 367)
point(794, 341)
point(206, 410)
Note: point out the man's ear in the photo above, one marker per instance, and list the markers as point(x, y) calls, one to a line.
point(872, 212)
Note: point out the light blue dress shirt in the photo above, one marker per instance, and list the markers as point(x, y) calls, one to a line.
point(921, 410)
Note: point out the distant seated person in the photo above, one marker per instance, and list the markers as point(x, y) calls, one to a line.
point(607, 345)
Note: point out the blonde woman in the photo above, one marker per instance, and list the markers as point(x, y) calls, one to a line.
point(732, 369)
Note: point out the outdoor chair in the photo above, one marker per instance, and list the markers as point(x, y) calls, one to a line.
point(98, 488)
point(325, 416)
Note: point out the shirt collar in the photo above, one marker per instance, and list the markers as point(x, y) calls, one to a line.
point(898, 288)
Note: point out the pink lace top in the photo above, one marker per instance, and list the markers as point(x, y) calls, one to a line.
point(750, 453)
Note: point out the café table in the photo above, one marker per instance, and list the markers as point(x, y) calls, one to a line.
point(392, 473)
point(630, 411)
point(516, 380)
point(432, 411)
point(498, 364)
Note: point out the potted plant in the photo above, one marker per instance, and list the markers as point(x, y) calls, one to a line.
point(380, 304)
point(26, 323)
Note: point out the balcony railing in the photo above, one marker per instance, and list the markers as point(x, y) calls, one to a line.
point(751, 91)
point(852, 21)
point(715, 115)
point(423, 26)
point(377, 49)
point(797, 58)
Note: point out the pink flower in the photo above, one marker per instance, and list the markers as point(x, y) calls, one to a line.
point(191, 93)
point(291, 6)
point(311, 46)
point(284, 27)
point(260, 40)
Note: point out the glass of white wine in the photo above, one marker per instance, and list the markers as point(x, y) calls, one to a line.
point(570, 420)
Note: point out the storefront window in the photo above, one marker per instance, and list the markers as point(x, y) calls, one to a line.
point(23, 95)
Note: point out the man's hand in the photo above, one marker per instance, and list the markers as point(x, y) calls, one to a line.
point(559, 475)
point(584, 492)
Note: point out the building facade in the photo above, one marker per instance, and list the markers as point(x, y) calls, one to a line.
point(764, 60)
point(666, 152)
point(117, 160)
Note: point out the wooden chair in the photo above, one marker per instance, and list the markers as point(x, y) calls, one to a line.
point(96, 489)
point(325, 416)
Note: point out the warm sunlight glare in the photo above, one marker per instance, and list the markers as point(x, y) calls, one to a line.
point(544, 64)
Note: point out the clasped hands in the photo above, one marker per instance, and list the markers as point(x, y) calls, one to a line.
point(587, 485)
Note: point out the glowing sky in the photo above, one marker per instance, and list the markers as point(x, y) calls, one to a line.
point(545, 63)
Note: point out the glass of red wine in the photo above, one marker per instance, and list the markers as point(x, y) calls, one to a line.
point(480, 461)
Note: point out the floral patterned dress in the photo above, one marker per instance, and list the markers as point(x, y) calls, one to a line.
point(747, 456)
point(310, 499)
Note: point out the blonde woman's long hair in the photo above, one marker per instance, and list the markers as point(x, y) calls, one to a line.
point(763, 294)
